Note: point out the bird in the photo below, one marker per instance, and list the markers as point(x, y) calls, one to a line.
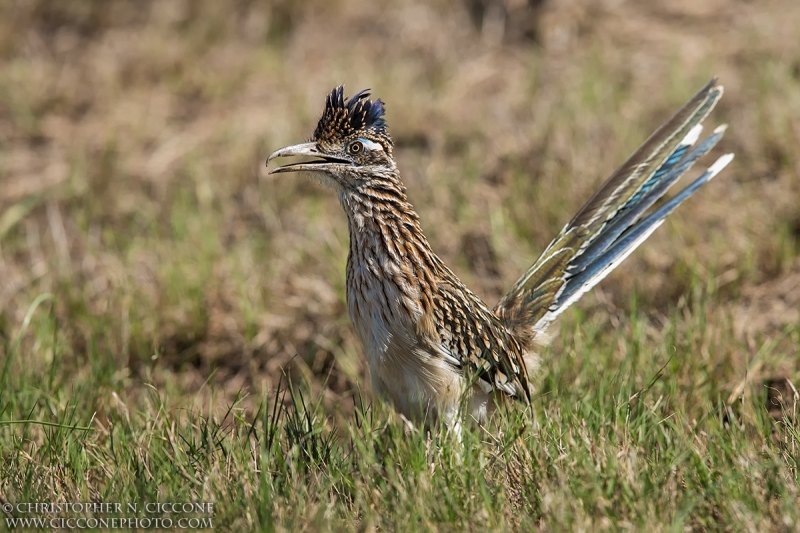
point(435, 351)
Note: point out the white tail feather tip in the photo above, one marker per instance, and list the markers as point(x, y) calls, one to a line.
point(719, 164)
point(693, 135)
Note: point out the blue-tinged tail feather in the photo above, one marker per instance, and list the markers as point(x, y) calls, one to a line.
point(631, 238)
point(627, 216)
point(613, 222)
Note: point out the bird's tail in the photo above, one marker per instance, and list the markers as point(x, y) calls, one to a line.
point(614, 222)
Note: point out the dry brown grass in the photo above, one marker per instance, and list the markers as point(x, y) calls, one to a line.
point(133, 136)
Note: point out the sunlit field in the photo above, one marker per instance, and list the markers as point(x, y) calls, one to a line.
point(173, 323)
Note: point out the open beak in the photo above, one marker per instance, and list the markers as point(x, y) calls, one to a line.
point(305, 150)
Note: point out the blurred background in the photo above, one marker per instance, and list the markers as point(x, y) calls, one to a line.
point(133, 136)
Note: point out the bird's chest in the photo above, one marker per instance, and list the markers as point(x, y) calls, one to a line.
point(405, 366)
point(383, 312)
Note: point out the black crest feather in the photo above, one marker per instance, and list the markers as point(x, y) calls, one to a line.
point(343, 118)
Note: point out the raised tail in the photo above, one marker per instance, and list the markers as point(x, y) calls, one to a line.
point(613, 223)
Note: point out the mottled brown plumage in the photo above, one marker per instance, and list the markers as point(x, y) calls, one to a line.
point(432, 345)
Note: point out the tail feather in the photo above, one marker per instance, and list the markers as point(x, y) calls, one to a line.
point(652, 155)
point(630, 240)
point(611, 224)
point(674, 158)
point(628, 216)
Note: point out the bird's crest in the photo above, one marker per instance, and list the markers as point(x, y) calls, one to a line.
point(359, 115)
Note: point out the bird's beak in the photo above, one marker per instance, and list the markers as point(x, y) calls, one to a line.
point(306, 150)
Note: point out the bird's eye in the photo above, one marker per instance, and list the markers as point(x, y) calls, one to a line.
point(355, 147)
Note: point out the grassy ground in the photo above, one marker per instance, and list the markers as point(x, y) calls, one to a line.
point(158, 292)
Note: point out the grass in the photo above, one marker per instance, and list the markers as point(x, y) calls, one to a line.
point(173, 324)
point(648, 442)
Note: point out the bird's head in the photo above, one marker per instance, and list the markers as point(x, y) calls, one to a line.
point(351, 144)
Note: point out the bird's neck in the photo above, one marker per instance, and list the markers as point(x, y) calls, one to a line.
point(391, 270)
point(385, 230)
point(383, 208)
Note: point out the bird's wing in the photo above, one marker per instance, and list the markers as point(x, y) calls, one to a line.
point(477, 342)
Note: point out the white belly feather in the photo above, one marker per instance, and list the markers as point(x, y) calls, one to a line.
point(420, 384)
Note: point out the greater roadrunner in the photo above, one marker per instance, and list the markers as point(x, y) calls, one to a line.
point(432, 345)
